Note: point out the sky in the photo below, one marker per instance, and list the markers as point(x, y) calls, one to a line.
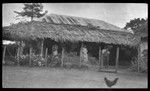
point(114, 13)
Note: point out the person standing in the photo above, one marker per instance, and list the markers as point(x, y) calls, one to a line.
point(55, 53)
point(106, 53)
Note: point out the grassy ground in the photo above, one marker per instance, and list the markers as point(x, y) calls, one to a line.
point(26, 77)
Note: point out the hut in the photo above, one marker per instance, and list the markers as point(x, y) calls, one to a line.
point(62, 28)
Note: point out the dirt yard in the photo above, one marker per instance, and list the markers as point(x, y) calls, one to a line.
point(26, 77)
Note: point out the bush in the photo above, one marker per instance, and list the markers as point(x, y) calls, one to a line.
point(24, 60)
point(36, 60)
point(143, 61)
point(143, 67)
point(53, 61)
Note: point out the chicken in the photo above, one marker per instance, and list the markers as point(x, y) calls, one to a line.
point(110, 83)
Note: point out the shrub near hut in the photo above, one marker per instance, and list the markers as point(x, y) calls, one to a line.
point(142, 62)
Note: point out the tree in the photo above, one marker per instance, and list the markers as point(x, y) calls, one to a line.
point(137, 25)
point(32, 10)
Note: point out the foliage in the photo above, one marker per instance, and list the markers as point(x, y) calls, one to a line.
point(137, 25)
point(143, 65)
point(36, 60)
point(32, 10)
point(24, 60)
point(53, 61)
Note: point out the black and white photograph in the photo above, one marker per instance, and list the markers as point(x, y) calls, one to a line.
point(75, 45)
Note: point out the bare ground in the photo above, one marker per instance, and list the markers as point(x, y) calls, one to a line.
point(26, 77)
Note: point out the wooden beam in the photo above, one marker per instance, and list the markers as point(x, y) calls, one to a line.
point(117, 57)
point(4, 54)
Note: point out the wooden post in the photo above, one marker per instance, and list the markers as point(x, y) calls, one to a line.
point(81, 55)
point(62, 57)
point(42, 48)
point(100, 56)
point(117, 57)
point(21, 48)
point(102, 60)
point(30, 56)
point(4, 54)
point(46, 55)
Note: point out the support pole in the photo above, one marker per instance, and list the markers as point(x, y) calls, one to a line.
point(117, 57)
point(46, 55)
point(81, 54)
point(42, 48)
point(30, 56)
point(100, 57)
point(102, 61)
point(18, 55)
point(4, 54)
point(21, 48)
point(62, 57)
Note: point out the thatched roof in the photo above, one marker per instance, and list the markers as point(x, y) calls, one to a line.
point(71, 32)
point(72, 20)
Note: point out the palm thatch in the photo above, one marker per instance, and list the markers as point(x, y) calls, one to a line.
point(62, 28)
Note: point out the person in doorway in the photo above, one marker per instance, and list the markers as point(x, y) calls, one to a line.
point(55, 51)
point(106, 53)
